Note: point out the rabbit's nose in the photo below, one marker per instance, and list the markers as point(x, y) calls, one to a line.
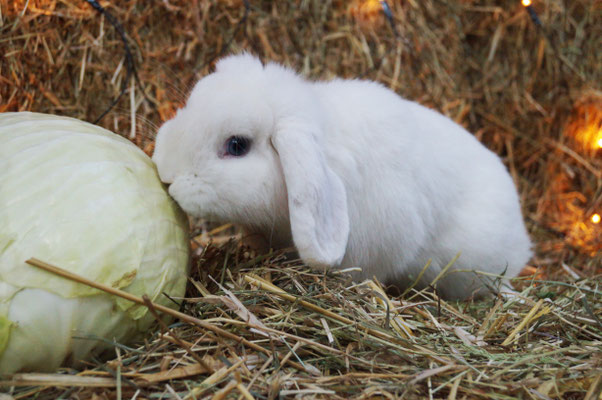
point(166, 180)
point(165, 177)
point(165, 174)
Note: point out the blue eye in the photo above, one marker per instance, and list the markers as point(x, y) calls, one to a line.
point(238, 146)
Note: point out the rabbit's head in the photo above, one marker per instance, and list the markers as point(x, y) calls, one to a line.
point(247, 148)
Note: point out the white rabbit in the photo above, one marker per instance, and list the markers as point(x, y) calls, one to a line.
point(349, 172)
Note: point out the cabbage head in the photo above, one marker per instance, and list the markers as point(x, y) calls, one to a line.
point(87, 200)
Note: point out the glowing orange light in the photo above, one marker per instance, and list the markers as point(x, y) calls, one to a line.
point(596, 218)
point(526, 3)
point(367, 12)
point(600, 142)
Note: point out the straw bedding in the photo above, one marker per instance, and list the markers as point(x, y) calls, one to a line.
point(532, 94)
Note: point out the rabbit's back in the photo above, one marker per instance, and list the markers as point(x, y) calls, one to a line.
point(419, 187)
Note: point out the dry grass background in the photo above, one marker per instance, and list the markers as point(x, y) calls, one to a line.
point(532, 95)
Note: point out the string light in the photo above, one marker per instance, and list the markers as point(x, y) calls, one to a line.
point(389, 16)
point(599, 142)
point(596, 218)
point(532, 13)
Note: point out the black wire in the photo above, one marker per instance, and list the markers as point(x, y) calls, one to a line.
point(389, 15)
point(391, 20)
point(237, 28)
point(225, 48)
point(534, 16)
point(129, 58)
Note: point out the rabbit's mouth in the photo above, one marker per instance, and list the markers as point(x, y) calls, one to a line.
point(200, 199)
point(195, 198)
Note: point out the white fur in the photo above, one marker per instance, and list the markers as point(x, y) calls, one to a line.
point(350, 172)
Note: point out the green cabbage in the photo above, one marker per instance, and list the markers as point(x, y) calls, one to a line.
point(87, 200)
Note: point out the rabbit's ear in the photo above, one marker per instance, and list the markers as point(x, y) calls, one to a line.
point(316, 196)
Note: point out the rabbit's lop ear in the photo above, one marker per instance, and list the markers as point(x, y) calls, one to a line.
point(316, 196)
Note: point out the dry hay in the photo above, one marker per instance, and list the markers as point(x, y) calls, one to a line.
point(532, 95)
point(291, 331)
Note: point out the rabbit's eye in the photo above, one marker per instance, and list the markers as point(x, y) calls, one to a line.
point(237, 146)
